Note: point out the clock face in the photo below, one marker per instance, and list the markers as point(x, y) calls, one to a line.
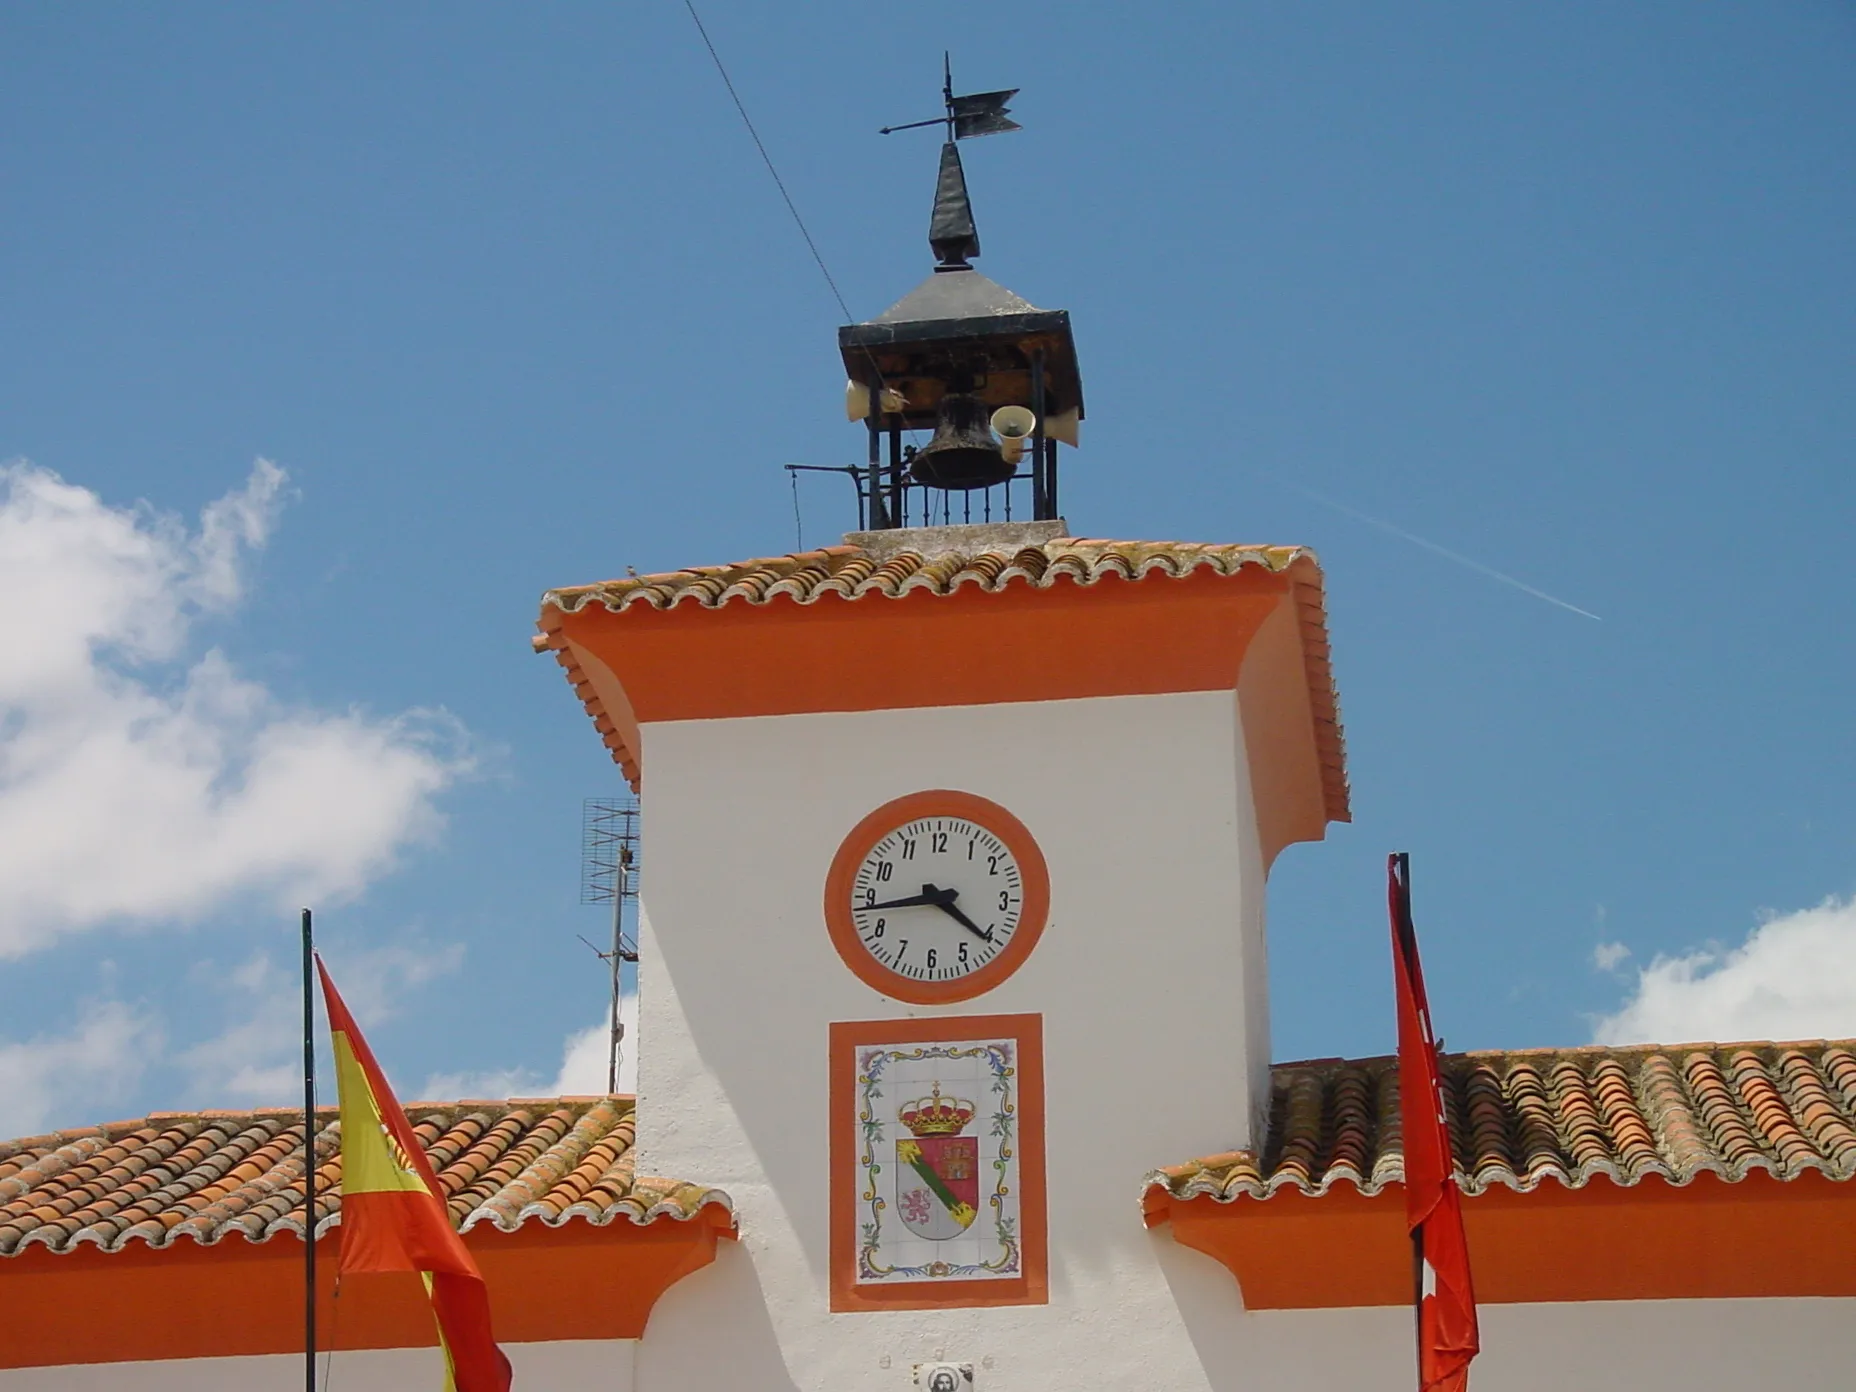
point(937, 896)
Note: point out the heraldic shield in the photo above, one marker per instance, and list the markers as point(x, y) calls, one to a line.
point(937, 1168)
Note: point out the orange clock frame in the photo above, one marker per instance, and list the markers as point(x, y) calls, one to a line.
point(938, 802)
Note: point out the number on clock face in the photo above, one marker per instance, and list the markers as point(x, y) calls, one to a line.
point(937, 899)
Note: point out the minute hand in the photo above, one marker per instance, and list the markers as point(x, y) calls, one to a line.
point(929, 895)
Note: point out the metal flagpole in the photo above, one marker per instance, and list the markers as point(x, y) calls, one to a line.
point(309, 1158)
point(1417, 1296)
point(618, 955)
point(1417, 1235)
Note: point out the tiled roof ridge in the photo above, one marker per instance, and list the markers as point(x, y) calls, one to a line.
point(208, 1175)
point(850, 572)
point(1521, 1117)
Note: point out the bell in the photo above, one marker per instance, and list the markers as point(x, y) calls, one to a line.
point(963, 453)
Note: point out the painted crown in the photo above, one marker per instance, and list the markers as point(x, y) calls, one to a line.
point(936, 1115)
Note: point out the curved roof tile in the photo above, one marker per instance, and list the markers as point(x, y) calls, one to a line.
point(205, 1175)
point(852, 573)
point(1520, 1118)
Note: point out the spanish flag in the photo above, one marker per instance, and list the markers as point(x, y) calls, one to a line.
point(393, 1210)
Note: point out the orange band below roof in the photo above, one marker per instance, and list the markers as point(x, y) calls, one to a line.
point(577, 1281)
point(1710, 1239)
point(838, 630)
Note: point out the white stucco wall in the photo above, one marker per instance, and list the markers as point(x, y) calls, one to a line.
point(1644, 1346)
point(1150, 981)
point(582, 1366)
point(1605, 1346)
point(1141, 806)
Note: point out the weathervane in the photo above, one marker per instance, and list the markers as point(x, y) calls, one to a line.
point(981, 113)
point(952, 232)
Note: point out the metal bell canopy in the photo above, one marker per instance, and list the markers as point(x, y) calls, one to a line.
point(954, 351)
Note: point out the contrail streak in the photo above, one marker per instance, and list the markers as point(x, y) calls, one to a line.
point(1445, 552)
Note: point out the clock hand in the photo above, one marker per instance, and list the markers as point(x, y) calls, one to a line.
point(932, 896)
point(929, 895)
point(945, 903)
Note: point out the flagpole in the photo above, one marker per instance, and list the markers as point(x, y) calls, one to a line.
point(309, 1157)
point(1402, 868)
point(1417, 1298)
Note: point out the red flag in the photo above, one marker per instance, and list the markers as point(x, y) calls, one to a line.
point(393, 1210)
point(1446, 1301)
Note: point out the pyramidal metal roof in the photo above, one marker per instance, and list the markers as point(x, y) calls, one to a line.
point(955, 295)
point(952, 305)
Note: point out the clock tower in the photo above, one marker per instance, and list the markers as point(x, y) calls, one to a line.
point(959, 838)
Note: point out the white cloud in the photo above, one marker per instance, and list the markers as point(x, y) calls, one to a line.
point(257, 1059)
point(1609, 956)
point(582, 1071)
point(102, 1059)
point(1793, 978)
point(208, 785)
point(585, 1056)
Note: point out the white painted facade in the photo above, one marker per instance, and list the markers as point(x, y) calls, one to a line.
point(1635, 1346)
point(1149, 977)
point(592, 1365)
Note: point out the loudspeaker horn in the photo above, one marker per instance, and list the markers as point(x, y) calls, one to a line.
point(1013, 425)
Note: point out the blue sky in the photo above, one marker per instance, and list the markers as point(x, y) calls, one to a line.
point(507, 296)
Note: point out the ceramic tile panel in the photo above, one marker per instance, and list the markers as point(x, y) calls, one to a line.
point(938, 1162)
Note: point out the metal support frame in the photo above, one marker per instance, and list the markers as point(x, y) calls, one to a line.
point(1040, 502)
point(878, 519)
point(898, 503)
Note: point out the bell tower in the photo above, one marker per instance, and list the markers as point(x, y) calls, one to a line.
point(994, 377)
point(959, 838)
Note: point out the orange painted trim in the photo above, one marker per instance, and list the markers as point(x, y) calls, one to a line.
point(238, 1297)
point(1709, 1239)
point(605, 702)
point(1033, 1288)
point(1115, 637)
point(940, 802)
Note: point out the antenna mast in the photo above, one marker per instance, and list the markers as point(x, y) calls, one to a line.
point(609, 875)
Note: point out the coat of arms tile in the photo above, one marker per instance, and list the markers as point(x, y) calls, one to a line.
point(937, 1161)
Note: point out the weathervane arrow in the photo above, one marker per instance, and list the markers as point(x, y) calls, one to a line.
point(978, 113)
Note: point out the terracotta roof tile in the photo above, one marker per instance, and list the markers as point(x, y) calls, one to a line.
point(1520, 1118)
point(850, 572)
point(204, 1175)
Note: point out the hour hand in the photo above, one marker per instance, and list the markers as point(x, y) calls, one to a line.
point(929, 895)
point(946, 904)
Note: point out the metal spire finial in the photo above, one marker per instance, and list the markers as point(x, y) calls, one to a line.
point(951, 230)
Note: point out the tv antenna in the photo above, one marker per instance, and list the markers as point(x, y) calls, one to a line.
point(609, 875)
